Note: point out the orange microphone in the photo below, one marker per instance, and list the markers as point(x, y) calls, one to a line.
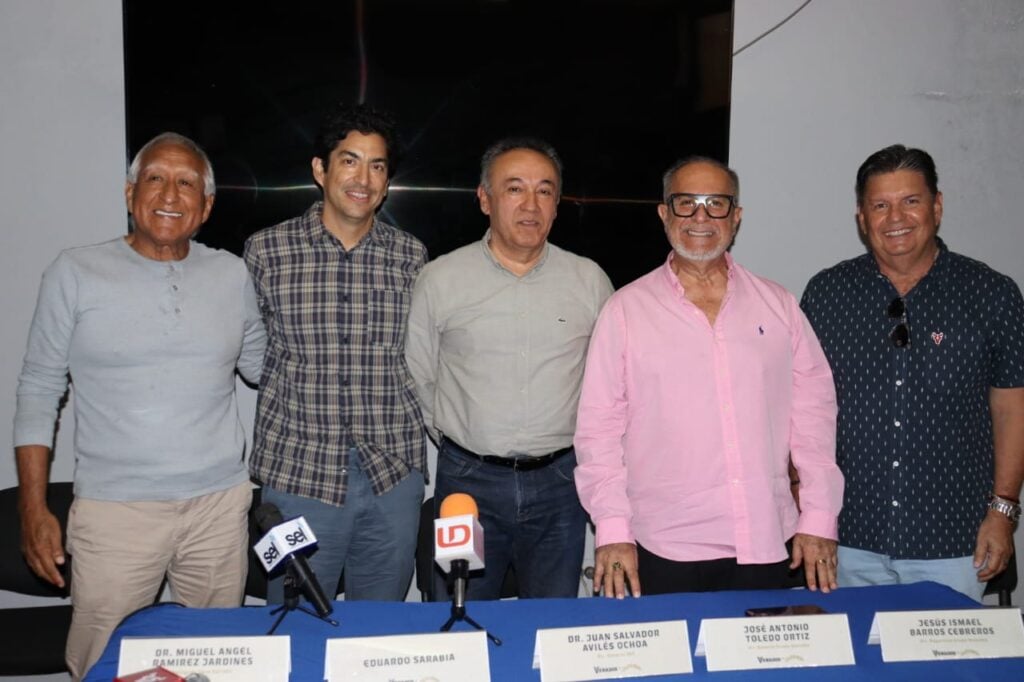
point(459, 504)
point(459, 549)
point(458, 543)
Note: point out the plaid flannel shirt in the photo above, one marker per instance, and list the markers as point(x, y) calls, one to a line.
point(334, 375)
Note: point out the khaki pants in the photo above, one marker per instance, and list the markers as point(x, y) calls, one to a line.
point(121, 552)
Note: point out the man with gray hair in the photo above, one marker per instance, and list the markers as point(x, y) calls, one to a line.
point(702, 381)
point(498, 333)
point(151, 326)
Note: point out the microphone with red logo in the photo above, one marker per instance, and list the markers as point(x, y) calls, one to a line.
point(459, 549)
point(459, 543)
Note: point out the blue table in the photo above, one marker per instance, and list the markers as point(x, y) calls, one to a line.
point(516, 622)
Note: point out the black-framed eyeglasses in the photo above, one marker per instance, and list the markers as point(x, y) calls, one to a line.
point(900, 334)
point(685, 205)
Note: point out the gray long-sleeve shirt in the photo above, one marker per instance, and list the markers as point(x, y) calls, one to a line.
point(151, 348)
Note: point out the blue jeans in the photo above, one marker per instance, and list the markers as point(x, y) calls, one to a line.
point(858, 567)
point(371, 537)
point(533, 522)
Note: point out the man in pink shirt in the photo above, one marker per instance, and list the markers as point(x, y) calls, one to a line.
point(703, 382)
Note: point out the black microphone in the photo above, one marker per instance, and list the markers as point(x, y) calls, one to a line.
point(268, 516)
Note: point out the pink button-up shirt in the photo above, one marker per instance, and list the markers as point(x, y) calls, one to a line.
point(685, 430)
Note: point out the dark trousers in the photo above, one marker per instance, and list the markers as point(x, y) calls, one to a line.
point(664, 576)
point(533, 523)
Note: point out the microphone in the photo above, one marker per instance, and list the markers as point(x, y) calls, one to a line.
point(282, 542)
point(459, 543)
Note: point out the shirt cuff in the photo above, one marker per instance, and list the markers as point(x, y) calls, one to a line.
point(819, 524)
point(612, 530)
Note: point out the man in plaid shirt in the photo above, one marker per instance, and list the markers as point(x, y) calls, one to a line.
point(339, 438)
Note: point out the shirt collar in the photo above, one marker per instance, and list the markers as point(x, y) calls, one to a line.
point(673, 281)
point(485, 246)
point(313, 223)
point(869, 263)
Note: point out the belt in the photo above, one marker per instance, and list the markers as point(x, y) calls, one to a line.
point(514, 463)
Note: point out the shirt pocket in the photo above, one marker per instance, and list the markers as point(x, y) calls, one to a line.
point(951, 361)
point(387, 313)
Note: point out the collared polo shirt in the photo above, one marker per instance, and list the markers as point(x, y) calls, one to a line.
point(915, 431)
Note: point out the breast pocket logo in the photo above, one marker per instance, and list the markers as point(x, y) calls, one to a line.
point(937, 337)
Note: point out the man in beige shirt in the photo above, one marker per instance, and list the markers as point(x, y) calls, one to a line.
point(498, 335)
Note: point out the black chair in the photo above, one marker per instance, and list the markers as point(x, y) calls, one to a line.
point(425, 567)
point(1005, 583)
point(32, 639)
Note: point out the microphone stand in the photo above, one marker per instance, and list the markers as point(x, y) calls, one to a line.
point(460, 576)
point(292, 595)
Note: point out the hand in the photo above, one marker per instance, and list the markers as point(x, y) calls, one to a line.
point(41, 544)
point(994, 548)
point(615, 568)
point(818, 556)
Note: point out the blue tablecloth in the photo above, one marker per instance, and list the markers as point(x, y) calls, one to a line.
point(517, 621)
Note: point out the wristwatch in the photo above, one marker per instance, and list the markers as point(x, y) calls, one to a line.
point(1004, 506)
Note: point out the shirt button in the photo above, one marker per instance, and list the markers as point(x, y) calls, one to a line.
point(174, 286)
point(895, 464)
point(177, 310)
point(897, 422)
point(895, 503)
point(344, 339)
point(899, 382)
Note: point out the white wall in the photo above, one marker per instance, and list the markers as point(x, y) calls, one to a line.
point(62, 150)
point(845, 78)
point(62, 139)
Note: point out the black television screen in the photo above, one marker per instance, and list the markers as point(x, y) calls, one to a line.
point(621, 88)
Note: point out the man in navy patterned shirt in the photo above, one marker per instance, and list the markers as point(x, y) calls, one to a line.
point(927, 351)
point(339, 438)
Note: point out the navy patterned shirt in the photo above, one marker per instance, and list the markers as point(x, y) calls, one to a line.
point(334, 374)
point(914, 433)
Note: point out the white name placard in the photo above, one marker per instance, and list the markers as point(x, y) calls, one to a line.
point(775, 642)
point(612, 651)
point(244, 659)
point(442, 657)
point(950, 634)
